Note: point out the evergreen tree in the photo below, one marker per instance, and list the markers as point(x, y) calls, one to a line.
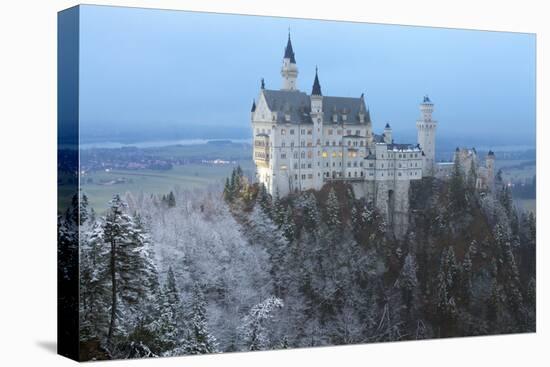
point(255, 325)
point(198, 339)
point(472, 176)
point(288, 227)
point(131, 268)
point(171, 200)
point(264, 199)
point(408, 281)
point(457, 193)
point(333, 210)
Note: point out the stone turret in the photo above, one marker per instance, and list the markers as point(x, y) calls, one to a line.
point(388, 134)
point(289, 70)
point(490, 164)
point(426, 128)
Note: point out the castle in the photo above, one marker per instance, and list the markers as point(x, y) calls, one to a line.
point(302, 141)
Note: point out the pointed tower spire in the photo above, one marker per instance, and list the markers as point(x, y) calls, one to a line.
point(316, 90)
point(262, 84)
point(289, 52)
point(253, 105)
point(289, 70)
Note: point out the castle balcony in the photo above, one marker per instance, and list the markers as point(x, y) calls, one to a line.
point(261, 149)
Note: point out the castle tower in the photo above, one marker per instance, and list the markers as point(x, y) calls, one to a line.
point(490, 164)
point(387, 134)
point(426, 128)
point(317, 118)
point(289, 70)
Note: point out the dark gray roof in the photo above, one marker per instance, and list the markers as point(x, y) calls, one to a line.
point(393, 146)
point(253, 106)
point(316, 90)
point(378, 138)
point(298, 105)
point(289, 52)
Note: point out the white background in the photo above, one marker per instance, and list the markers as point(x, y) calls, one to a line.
point(28, 181)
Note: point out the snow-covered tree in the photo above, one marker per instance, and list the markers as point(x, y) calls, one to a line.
point(255, 327)
point(198, 339)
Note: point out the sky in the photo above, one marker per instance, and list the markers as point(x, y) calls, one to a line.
point(158, 74)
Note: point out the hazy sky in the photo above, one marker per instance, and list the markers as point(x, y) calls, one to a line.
point(145, 70)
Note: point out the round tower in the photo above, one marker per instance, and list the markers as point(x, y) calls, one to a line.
point(317, 119)
point(388, 139)
point(426, 128)
point(289, 70)
point(490, 164)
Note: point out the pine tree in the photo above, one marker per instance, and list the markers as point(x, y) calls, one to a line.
point(407, 280)
point(198, 340)
point(255, 325)
point(457, 193)
point(132, 271)
point(84, 215)
point(171, 200)
point(333, 210)
point(264, 199)
point(288, 227)
point(311, 212)
point(472, 176)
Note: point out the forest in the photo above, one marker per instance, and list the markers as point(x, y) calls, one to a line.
point(234, 269)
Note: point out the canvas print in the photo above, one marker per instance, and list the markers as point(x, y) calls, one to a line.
point(231, 183)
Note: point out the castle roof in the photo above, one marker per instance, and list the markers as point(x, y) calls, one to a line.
point(253, 106)
point(378, 138)
point(316, 90)
point(289, 52)
point(403, 147)
point(298, 105)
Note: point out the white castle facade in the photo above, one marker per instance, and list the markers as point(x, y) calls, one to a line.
point(302, 141)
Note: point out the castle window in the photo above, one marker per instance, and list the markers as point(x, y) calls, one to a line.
point(310, 154)
point(333, 143)
point(355, 173)
point(303, 131)
point(348, 132)
point(291, 131)
point(295, 155)
point(283, 131)
point(303, 177)
point(309, 131)
point(360, 164)
point(326, 165)
point(340, 143)
point(330, 131)
point(349, 164)
point(357, 132)
point(283, 155)
point(361, 143)
point(295, 165)
point(339, 132)
point(292, 144)
point(283, 166)
point(349, 174)
point(283, 144)
point(303, 154)
point(309, 165)
point(361, 173)
point(325, 154)
point(303, 143)
point(349, 143)
point(303, 166)
point(327, 143)
point(310, 176)
point(296, 177)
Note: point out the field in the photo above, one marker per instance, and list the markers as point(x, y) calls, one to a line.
point(100, 186)
point(516, 170)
